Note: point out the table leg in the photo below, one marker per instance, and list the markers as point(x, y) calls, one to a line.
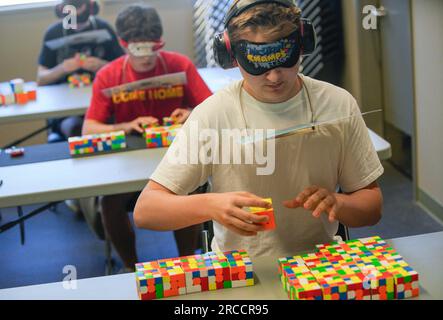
point(22, 225)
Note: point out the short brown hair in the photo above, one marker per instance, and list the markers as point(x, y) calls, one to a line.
point(273, 17)
point(139, 22)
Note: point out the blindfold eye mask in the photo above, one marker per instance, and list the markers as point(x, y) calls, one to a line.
point(259, 58)
point(143, 49)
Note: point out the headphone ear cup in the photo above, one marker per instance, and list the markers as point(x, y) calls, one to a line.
point(95, 8)
point(308, 37)
point(222, 55)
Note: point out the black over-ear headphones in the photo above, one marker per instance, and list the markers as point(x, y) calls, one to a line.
point(223, 53)
point(94, 8)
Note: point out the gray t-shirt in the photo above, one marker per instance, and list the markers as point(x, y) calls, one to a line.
point(339, 154)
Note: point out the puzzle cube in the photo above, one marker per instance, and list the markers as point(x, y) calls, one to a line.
point(240, 264)
point(17, 85)
point(94, 143)
point(270, 224)
point(79, 80)
point(7, 97)
point(219, 277)
point(360, 269)
point(21, 98)
point(157, 137)
point(301, 284)
point(169, 121)
point(183, 275)
point(149, 280)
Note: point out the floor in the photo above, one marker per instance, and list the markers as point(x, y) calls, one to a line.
point(55, 240)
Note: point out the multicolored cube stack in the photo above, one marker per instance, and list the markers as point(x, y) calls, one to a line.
point(169, 121)
point(97, 143)
point(17, 92)
point(197, 273)
point(158, 137)
point(362, 269)
point(79, 80)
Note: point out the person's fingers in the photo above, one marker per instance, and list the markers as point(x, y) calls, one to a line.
point(137, 126)
point(248, 217)
point(323, 206)
point(251, 201)
point(305, 194)
point(245, 226)
point(176, 113)
point(246, 194)
point(292, 204)
point(315, 199)
point(332, 213)
point(146, 120)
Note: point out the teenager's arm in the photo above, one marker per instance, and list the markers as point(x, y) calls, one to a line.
point(158, 208)
point(91, 126)
point(47, 76)
point(357, 209)
point(361, 208)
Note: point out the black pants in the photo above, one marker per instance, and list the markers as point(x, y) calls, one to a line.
point(66, 127)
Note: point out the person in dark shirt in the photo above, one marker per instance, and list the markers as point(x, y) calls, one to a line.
point(57, 63)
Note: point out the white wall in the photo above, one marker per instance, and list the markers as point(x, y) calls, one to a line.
point(427, 26)
point(362, 72)
point(21, 34)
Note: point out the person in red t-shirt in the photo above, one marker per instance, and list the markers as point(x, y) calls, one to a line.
point(139, 30)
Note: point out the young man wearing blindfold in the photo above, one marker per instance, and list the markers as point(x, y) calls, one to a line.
point(139, 30)
point(266, 40)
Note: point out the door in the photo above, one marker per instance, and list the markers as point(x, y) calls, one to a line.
point(397, 78)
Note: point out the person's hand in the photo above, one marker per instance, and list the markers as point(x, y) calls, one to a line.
point(226, 209)
point(72, 64)
point(180, 115)
point(92, 64)
point(138, 124)
point(317, 200)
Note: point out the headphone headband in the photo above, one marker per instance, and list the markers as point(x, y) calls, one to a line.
point(243, 5)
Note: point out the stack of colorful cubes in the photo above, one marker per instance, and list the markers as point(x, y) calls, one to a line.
point(17, 91)
point(158, 137)
point(197, 273)
point(169, 121)
point(362, 269)
point(97, 143)
point(79, 80)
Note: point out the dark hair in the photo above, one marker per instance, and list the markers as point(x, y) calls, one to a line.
point(76, 3)
point(139, 22)
point(269, 18)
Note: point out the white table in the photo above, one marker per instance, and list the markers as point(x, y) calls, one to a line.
point(90, 176)
point(61, 101)
point(424, 253)
point(78, 178)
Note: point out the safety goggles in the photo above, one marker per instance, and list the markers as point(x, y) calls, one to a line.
point(258, 58)
point(143, 48)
